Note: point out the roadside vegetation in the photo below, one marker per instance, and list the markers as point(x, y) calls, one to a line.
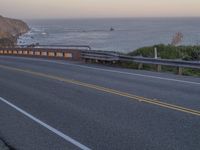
point(187, 53)
point(170, 51)
point(190, 53)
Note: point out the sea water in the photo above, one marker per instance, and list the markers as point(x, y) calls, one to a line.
point(122, 35)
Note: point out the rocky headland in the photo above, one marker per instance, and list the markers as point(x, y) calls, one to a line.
point(10, 30)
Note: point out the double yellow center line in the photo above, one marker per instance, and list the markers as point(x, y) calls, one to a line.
point(108, 90)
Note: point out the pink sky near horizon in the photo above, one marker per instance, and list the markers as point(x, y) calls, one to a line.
point(99, 8)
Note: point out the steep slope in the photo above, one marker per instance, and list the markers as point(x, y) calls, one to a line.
point(10, 30)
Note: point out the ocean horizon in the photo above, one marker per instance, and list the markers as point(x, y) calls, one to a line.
point(111, 34)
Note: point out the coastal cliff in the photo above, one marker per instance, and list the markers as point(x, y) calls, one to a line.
point(10, 30)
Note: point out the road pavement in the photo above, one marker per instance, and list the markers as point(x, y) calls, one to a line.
point(58, 105)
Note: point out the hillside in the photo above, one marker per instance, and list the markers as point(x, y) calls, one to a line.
point(10, 30)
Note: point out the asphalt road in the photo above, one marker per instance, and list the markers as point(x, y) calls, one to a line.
point(61, 105)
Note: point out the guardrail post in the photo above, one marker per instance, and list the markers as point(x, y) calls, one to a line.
point(180, 70)
point(140, 66)
point(159, 68)
point(155, 53)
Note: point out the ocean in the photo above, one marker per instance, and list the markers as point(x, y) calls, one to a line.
point(122, 35)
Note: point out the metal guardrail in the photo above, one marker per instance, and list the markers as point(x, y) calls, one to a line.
point(85, 53)
point(99, 56)
point(166, 62)
point(116, 57)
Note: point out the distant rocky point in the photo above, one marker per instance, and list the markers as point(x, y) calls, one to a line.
point(10, 30)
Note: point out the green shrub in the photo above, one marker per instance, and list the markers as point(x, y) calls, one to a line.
point(188, 53)
point(169, 52)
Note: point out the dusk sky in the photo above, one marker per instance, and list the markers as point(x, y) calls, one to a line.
point(99, 8)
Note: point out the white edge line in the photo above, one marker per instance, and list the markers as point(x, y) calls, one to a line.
point(60, 134)
point(133, 74)
point(113, 71)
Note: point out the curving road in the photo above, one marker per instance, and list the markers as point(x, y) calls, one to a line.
point(61, 105)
